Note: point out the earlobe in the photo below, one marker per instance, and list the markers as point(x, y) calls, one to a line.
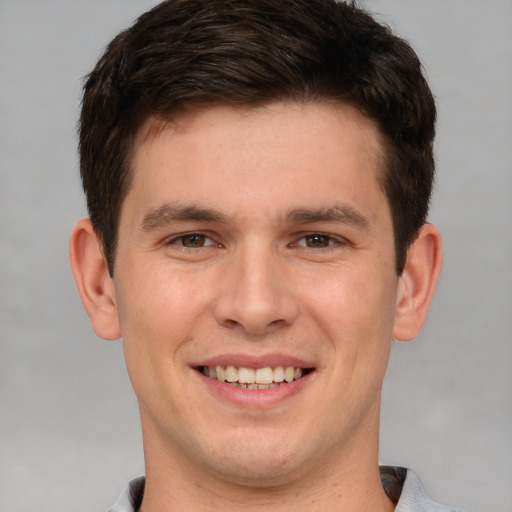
point(417, 283)
point(93, 281)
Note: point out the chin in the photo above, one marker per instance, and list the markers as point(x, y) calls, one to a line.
point(260, 462)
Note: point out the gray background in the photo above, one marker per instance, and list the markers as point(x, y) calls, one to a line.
point(69, 433)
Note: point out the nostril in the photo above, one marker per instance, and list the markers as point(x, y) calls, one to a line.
point(277, 323)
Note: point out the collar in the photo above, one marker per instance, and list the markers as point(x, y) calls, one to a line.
point(402, 486)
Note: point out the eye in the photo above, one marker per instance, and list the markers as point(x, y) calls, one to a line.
point(192, 241)
point(317, 241)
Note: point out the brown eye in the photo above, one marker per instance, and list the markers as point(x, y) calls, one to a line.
point(193, 240)
point(317, 241)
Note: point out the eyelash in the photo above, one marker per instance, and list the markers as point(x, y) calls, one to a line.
point(175, 240)
point(331, 241)
point(301, 242)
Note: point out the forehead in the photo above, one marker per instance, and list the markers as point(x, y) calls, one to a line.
point(292, 147)
point(318, 114)
point(186, 120)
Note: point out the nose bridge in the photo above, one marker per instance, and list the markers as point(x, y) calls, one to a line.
point(255, 295)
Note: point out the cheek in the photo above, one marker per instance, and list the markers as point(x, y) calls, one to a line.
point(158, 310)
point(356, 310)
point(158, 315)
point(159, 293)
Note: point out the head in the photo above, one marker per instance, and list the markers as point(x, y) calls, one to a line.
point(191, 54)
point(258, 176)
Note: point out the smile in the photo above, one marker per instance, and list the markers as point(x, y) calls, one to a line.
point(259, 378)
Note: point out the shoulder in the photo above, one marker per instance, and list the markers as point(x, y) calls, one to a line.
point(131, 497)
point(404, 486)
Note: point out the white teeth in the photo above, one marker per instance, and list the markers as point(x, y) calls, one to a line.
point(289, 373)
point(231, 374)
point(221, 372)
point(278, 374)
point(249, 378)
point(263, 376)
point(246, 375)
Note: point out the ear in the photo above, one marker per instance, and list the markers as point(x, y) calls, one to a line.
point(93, 281)
point(417, 283)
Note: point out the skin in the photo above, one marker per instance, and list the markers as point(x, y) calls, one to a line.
point(258, 236)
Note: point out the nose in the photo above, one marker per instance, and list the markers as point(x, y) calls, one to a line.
point(256, 295)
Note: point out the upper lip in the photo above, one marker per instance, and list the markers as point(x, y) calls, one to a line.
point(255, 361)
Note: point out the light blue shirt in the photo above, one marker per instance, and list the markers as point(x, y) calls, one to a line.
point(402, 485)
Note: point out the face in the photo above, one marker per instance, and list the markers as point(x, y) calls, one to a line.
point(255, 289)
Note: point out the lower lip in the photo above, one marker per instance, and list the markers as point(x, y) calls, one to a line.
point(255, 398)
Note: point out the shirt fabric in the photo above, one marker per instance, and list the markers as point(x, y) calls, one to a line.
point(401, 485)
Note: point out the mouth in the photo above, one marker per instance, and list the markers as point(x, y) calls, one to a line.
point(254, 378)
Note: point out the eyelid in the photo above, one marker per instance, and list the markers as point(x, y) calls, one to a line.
point(299, 240)
point(334, 240)
point(174, 239)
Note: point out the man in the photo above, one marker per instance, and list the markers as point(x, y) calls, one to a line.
point(258, 177)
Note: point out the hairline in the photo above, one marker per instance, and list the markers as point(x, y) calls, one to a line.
point(152, 124)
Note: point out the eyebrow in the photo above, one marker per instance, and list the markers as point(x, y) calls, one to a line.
point(168, 213)
point(340, 213)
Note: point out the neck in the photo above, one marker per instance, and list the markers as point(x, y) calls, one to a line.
point(361, 493)
point(346, 479)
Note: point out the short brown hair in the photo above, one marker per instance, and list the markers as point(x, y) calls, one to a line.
point(189, 53)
